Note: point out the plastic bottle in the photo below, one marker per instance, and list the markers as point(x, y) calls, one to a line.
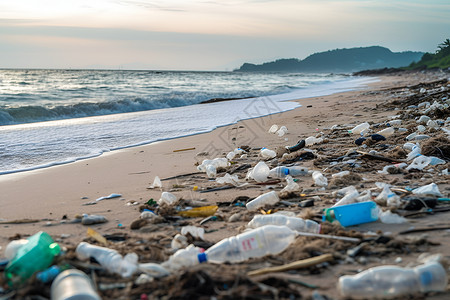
point(357, 129)
point(319, 179)
point(12, 248)
point(423, 119)
point(311, 140)
point(49, 274)
point(267, 153)
point(211, 171)
point(109, 259)
point(386, 132)
point(395, 122)
point(393, 282)
point(269, 198)
point(34, 256)
point(282, 171)
point(260, 172)
point(167, 198)
point(73, 285)
point(273, 128)
point(415, 151)
point(352, 214)
point(294, 223)
point(419, 163)
point(92, 219)
point(269, 239)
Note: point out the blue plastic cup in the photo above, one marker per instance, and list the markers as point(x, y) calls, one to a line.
point(352, 214)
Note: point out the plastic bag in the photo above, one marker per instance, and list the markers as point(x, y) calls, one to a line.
point(431, 190)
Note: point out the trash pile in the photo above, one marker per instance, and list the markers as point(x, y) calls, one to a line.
point(304, 224)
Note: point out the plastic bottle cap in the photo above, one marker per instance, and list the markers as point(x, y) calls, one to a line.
point(286, 171)
point(426, 278)
point(202, 257)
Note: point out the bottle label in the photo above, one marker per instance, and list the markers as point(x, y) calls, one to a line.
point(250, 244)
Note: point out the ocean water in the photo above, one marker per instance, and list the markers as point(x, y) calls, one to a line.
point(51, 117)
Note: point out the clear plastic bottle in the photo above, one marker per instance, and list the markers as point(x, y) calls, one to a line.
point(294, 223)
point(386, 132)
point(92, 219)
point(167, 198)
point(319, 179)
point(359, 128)
point(269, 198)
point(267, 153)
point(211, 171)
point(269, 239)
point(393, 282)
point(109, 259)
point(36, 255)
point(282, 171)
point(311, 140)
point(73, 285)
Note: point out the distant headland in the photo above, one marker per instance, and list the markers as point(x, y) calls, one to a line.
point(339, 61)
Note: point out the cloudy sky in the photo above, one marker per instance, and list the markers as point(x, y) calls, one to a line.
point(207, 34)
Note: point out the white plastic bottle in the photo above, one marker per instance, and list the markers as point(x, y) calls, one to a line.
point(392, 282)
point(167, 198)
point(269, 198)
point(359, 128)
point(267, 153)
point(294, 223)
point(109, 259)
point(282, 171)
point(269, 239)
point(386, 132)
point(319, 179)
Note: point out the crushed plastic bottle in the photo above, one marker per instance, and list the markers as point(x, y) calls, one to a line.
point(340, 174)
point(93, 219)
point(227, 178)
point(282, 171)
point(319, 179)
point(73, 284)
point(109, 259)
point(269, 198)
point(259, 242)
point(211, 171)
point(359, 128)
point(167, 198)
point(36, 255)
point(291, 186)
point(351, 194)
point(260, 172)
point(294, 223)
point(419, 163)
point(428, 190)
point(393, 282)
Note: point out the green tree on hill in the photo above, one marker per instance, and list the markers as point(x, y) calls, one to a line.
point(441, 58)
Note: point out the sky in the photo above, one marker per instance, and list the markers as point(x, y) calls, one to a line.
point(208, 34)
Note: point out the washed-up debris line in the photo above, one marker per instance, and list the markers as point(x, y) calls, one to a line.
point(290, 242)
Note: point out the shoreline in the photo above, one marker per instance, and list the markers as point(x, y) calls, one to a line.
point(362, 82)
point(48, 195)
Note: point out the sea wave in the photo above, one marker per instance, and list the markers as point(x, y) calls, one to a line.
point(36, 113)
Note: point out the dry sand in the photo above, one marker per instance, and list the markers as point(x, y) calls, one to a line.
point(51, 194)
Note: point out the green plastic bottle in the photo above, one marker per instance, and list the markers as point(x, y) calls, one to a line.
point(36, 255)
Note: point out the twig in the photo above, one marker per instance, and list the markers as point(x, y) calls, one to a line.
point(304, 263)
point(182, 175)
point(186, 149)
point(425, 229)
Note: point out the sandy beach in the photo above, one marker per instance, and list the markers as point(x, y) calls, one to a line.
point(50, 198)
